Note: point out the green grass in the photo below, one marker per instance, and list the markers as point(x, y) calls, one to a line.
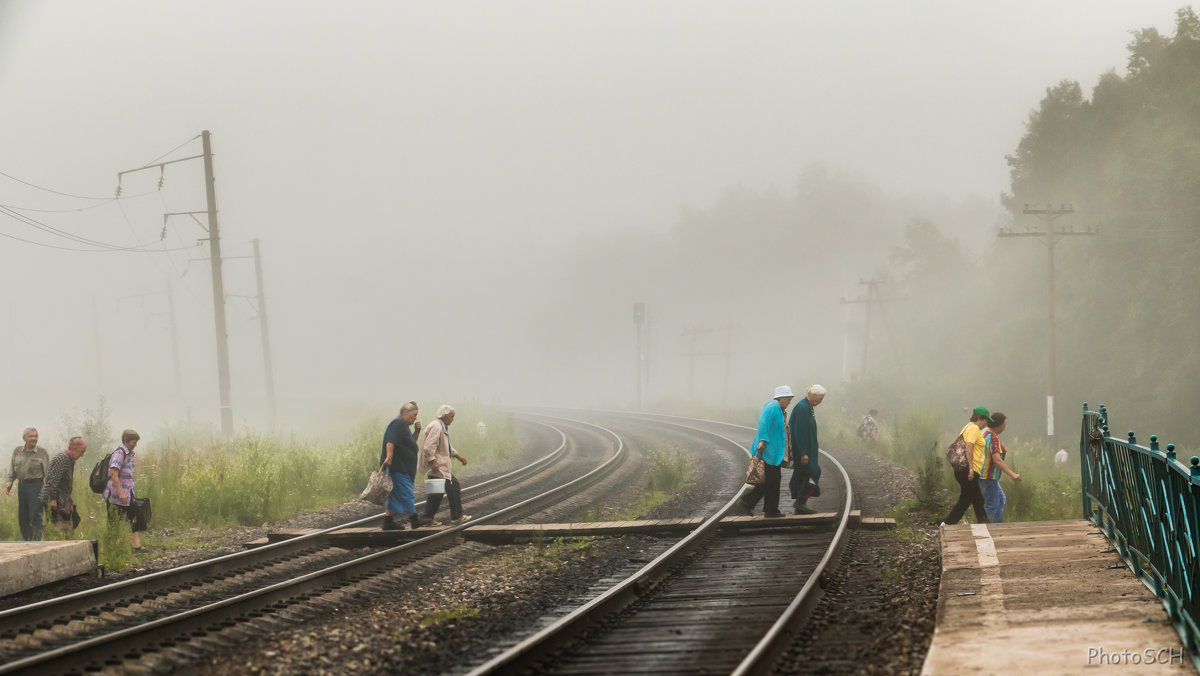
point(246, 480)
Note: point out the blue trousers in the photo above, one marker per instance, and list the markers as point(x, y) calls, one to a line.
point(993, 499)
point(400, 500)
point(29, 509)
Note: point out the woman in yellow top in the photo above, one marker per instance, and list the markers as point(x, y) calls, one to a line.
point(968, 479)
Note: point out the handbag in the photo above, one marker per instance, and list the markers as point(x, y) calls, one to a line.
point(378, 486)
point(139, 514)
point(756, 473)
point(957, 454)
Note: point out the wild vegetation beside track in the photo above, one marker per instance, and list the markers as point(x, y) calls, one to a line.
point(196, 483)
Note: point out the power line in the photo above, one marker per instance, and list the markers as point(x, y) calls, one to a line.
point(173, 149)
point(56, 192)
point(90, 206)
point(100, 246)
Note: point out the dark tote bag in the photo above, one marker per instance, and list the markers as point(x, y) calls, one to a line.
point(139, 514)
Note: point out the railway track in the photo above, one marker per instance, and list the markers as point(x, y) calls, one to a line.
point(712, 603)
point(169, 618)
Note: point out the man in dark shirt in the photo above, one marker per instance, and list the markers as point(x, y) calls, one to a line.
point(60, 479)
point(399, 455)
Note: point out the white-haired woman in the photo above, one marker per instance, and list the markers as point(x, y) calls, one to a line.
point(802, 435)
point(436, 453)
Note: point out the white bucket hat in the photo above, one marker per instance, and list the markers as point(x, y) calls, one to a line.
point(783, 391)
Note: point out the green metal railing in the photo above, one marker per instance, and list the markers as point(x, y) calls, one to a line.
point(1148, 504)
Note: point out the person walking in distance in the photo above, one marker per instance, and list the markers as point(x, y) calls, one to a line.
point(399, 456)
point(60, 480)
point(802, 428)
point(770, 442)
point(436, 452)
point(28, 469)
point(969, 494)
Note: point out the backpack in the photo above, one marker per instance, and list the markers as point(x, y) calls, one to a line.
point(98, 480)
point(958, 454)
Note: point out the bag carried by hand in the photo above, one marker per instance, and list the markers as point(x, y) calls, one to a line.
point(139, 514)
point(756, 473)
point(378, 487)
point(958, 454)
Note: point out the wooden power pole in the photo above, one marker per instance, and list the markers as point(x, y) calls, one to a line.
point(1050, 237)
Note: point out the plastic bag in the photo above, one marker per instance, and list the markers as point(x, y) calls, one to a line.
point(378, 487)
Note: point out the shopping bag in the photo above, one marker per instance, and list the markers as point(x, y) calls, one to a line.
point(756, 473)
point(378, 487)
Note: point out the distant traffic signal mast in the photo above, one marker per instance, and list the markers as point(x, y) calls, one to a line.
point(1051, 237)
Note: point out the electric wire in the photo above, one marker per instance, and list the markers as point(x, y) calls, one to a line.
point(110, 200)
point(56, 192)
point(97, 245)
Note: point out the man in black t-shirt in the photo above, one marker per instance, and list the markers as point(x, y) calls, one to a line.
point(399, 455)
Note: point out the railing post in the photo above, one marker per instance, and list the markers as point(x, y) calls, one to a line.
point(1154, 442)
point(1195, 468)
point(1085, 438)
point(1170, 452)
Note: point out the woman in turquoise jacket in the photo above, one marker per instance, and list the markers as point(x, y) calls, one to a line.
point(770, 442)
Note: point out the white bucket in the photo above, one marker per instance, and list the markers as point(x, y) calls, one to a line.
point(435, 486)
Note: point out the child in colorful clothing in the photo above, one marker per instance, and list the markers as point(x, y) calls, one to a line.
point(993, 464)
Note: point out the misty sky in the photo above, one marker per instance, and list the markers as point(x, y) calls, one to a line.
point(414, 170)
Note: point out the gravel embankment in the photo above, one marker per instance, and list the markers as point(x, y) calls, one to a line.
point(443, 622)
point(879, 609)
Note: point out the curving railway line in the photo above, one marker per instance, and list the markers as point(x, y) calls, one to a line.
point(156, 620)
point(715, 601)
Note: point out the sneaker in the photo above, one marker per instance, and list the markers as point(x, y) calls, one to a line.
point(774, 515)
point(805, 509)
point(462, 519)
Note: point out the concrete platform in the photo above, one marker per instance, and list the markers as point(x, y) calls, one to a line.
point(1046, 597)
point(25, 565)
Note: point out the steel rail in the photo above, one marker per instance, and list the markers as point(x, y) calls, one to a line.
point(528, 652)
point(137, 589)
point(762, 657)
point(126, 643)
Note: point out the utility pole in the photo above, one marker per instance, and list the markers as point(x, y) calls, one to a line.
point(266, 338)
point(218, 286)
point(873, 297)
point(692, 332)
point(1051, 236)
point(639, 320)
point(174, 339)
point(96, 333)
point(218, 283)
point(728, 359)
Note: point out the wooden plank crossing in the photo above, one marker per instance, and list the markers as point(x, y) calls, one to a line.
point(527, 532)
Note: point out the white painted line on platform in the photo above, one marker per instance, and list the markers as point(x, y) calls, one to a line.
point(991, 588)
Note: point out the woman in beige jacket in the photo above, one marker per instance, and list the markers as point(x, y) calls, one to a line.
point(436, 453)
